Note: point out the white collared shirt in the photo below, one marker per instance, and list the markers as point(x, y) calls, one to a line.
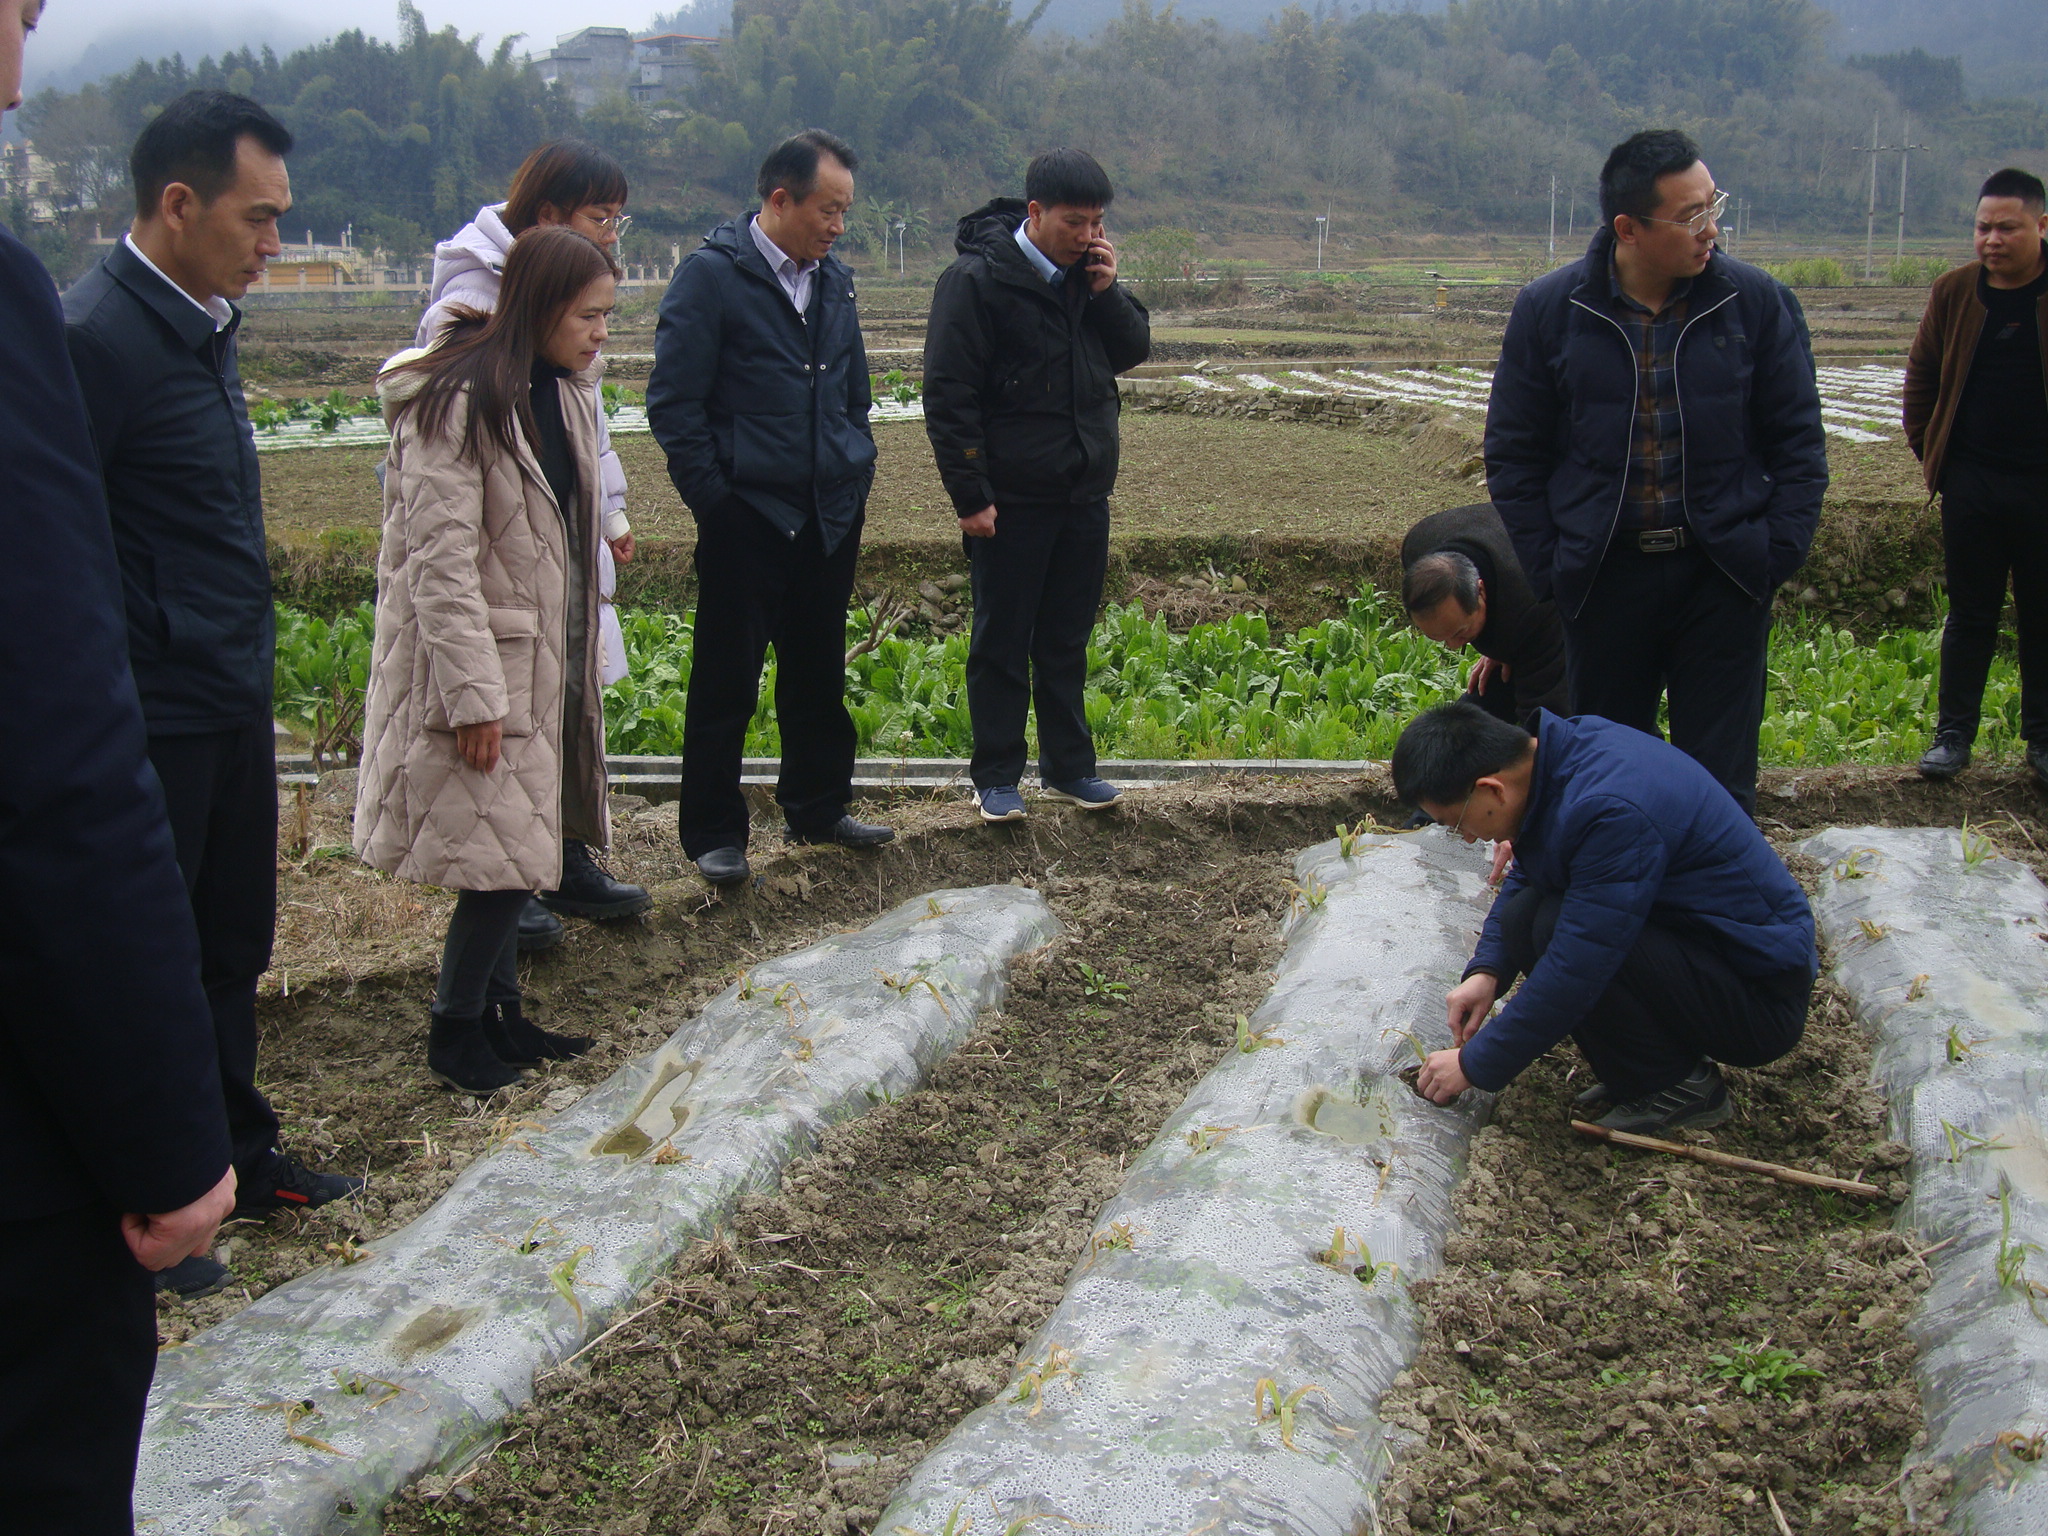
point(1047, 267)
point(794, 276)
point(216, 309)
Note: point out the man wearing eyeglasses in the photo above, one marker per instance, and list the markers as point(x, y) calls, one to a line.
point(1654, 446)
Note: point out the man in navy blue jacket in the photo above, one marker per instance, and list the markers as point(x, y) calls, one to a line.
point(760, 397)
point(113, 1145)
point(1646, 913)
point(1654, 446)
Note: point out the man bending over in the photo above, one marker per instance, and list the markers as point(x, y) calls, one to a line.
point(1648, 916)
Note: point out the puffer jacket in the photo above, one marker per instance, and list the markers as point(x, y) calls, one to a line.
point(472, 614)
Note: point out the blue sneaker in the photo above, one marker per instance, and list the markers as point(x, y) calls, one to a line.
point(1089, 794)
point(1002, 803)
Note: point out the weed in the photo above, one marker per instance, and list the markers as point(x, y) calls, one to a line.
point(1032, 1384)
point(1251, 1041)
point(563, 1275)
point(1268, 1403)
point(1096, 985)
point(1765, 1368)
point(1610, 1377)
point(295, 1414)
point(1478, 1396)
point(1962, 1143)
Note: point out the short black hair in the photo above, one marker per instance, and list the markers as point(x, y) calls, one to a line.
point(2014, 182)
point(1068, 178)
point(1437, 575)
point(792, 165)
point(194, 140)
point(1628, 181)
point(1446, 750)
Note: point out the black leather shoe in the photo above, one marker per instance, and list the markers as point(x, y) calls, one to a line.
point(725, 866)
point(538, 927)
point(588, 890)
point(1948, 757)
point(287, 1181)
point(518, 1042)
point(194, 1277)
point(848, 833)
point(460, 1058)
point(2037, 760)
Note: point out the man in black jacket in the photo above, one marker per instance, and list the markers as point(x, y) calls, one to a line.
point(760, 399)
point(1028, 331)
point(1654, 447)
point(1462, 585)
point(151, 332)
point(112, 1137)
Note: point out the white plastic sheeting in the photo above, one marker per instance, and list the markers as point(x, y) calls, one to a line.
point(1941, 948)
point(1137, 1408)
point(409, 1356)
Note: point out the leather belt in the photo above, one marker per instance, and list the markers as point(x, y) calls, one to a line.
point(1658, 541)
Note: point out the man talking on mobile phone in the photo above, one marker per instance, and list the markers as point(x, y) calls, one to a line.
point(1029, 329)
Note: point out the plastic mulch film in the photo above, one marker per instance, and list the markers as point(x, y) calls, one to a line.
point(306, 1411)
point(1217, 1359)
point(1940, 945)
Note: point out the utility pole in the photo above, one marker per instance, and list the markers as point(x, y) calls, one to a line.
point(1553, 218)
point(1322, 228)
point(1870, 222)
point(1906, 148)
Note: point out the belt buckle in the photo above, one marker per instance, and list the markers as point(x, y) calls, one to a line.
point(1660, 541)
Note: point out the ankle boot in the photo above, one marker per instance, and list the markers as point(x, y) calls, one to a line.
point(459, 1057)
point(521, 1043)
point(588, 889)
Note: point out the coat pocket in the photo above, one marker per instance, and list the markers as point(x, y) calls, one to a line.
point(516, 632)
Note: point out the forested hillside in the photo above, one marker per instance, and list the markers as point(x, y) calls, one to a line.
point(1456, 120)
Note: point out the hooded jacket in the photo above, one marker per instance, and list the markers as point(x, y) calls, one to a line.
point(1522, 631)
point(1561, 424)
point(762, 411)
point(472, 615)
point(1020, 397)
point(1629, 830)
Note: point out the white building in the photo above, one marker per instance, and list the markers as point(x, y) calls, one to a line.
point(597, 61)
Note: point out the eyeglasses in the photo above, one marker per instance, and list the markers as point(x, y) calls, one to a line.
point(616, 222)
point(1698, 223)
point(1458, 826)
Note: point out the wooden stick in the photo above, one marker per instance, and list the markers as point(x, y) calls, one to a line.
point(1776, 1171)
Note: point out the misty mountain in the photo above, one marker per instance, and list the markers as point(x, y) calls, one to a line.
point(192, 35)
point(2003, 43)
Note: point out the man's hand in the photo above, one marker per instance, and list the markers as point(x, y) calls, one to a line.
point(1442, 1078)
point(622, 548)
point(980, 526)
point(1470, 1001)
point(478, 744)
point(1485, 670)
point(159, 1241)
point(1503, 856)
point(1100, 265)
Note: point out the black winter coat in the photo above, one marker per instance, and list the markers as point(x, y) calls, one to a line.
point(179, 460)
point(109, 1076)
point(1020, 398)
point(754, 404)
point(1559, 429)
point(1523, 631)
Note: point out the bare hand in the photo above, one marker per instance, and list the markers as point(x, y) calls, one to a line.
point(478, 744)
point(1100, 265)
point(171, 1237)
point(980, 526)
point(622, 548)
point(1470, 1001)
point(1503, 856)
point(1442, 1077)
point(1484, 671)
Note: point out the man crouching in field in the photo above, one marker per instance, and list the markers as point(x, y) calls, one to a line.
point(1646, 913)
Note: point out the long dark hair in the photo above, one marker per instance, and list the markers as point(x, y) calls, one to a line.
point(491, 356)
point(565, 174)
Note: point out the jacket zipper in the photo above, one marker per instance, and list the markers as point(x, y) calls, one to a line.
point(1627, 445)
point(1678, 393)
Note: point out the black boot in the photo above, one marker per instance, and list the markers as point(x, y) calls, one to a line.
point(589, 891)
point(516, 1041)
point(460, 1058)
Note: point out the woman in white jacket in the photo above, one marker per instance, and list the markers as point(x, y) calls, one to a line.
point(578, 186)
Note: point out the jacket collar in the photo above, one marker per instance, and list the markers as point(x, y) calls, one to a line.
point(1594, 288)
point(735, 237)
point(1553, 739)
point(192, 326)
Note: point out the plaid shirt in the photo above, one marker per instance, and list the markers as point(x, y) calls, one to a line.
point(1655, 494)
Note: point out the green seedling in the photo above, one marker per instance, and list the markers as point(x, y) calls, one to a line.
point(1962, 1143)
point(1032, 1384)
point(954, 1526)
point(1251, 1041)
point(1610, 1377)
point(2027, 1448)
point(1209, 1137)
point(1765, 1368)
point(1339, 1255)
point(1958, 1047)
point(746, 986)
point(1420, 1051)
point(1268, 1403)
point(1312, 895)
point(1873, 931)
point(1095, 984)
point(1477, 1396)
point(666, 1156)
point(2012, 1257)
point(903, 986)
point(533, 1242)
point(355, 1384)
point(295, 1414)
point(1852, 868)
point(1917, 987)
point(564, 1277)
point(346, 1251)
point(1117, 1237)
point(1976, 846)
point(505, 1133)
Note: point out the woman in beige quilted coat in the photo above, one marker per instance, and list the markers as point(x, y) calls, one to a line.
point(483, 740)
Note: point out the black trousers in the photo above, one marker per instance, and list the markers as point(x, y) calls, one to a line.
point(75, 1367)
point(1993, 525)
point(757, 588)
point(221, 791)
point(1673, 627)
point(1037, 586)
point(480, 956)
point(1673, 1001)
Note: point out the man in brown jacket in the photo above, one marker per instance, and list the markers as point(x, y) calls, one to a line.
point(1977, 415)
